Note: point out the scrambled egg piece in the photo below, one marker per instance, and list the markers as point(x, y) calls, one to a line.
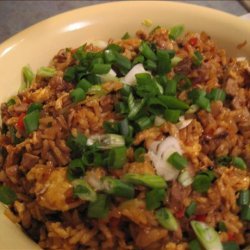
point(52, 189)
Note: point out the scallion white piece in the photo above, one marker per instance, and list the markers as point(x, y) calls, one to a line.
point(106, 141)
point(130, 76)
point(159, 152)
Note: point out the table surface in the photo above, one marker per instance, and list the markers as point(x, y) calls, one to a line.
point(18, 15)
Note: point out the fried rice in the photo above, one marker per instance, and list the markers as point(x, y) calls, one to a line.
point(212, 136)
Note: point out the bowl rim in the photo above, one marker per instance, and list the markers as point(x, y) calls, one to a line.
point(97, 7)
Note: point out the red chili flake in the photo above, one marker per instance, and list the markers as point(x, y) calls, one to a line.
point(20, 123)
point(231, 236)
point(180, 214)
point(193, 41)
point(200, 217)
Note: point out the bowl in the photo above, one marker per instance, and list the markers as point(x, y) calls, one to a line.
point(37, 45)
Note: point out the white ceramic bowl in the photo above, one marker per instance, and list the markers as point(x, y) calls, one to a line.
point(37, 45)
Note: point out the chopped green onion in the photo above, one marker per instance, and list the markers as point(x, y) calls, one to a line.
point(76, 144)
point(197, 58)
point(154, 198)
point(221, 226)
point(35, 106)
point(192, 109)
point(96, 90)
point(93, 157)
point(183, 81)
point(114, 47)
point(152, 181)
point(245, 212)
point(171, 87)
point(77, 95)
point(138, 59)
point(176, 31)
point(131, 101)
point(94, 79)
point(203, 103)
point(194, 245)
point(223, 160)
point(101, 68)
point(135, 110)
point(175, 61)
point(111, 127)
point(230, 245)
point(126, 36)
point(198, 96)
point(166, 219)
point(147, 52)
point(7, 195)
point(118, 188)
point(46, 72)
point(244, 197)
point(217, 94)
point(28, 77)
point(80, 53)
point(122, 62)
point(31, 121)
point(109, 56)
point(75, 169)
point(173, 103)
point(207, 236)
point(194, 94)
point(146, 85)
point(69, 74)
point(121, 108)
point(11, 102)
point(164, 62)
point(139, 154)
point(239, 163)
point(172, 115)
point(150, 65)
point(117, 157)
point(124, 127)
point(185, 178)
point(106, 141)
point(191, 209)
point(177, 161)
point(84, 84)
point(99, 208)
point(144, 122)
point(201, 183)
point(83, 190)
point(99, 61)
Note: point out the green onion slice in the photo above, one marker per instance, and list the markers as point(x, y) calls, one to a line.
point(154, 198)
point(176, 31)
point(7, 195)
point(117, 188)
point(117, 157)
point(46, 72)
point(106, 141)
point(31, 121)
point(207, 236)
point(83, 190)
point(152, 181)
point(166, 219)
point(99, 208)
point(177, 161)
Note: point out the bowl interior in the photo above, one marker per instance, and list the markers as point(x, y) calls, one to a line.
point(37, 45)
